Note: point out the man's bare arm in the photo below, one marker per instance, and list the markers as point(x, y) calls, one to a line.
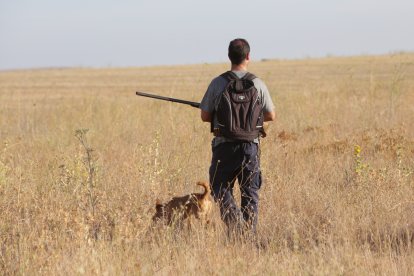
point(269, 116)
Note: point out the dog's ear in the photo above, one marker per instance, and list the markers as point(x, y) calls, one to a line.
point(158, 205)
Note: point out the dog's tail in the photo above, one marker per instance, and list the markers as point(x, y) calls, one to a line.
point(206, 189)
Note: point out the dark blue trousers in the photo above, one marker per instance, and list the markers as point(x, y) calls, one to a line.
point(231, 161)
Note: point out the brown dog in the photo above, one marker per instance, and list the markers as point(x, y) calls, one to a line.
point(183, 208)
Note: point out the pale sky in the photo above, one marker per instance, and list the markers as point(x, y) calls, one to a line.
point(100, 33)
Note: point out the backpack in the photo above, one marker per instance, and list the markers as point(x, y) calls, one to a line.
point(239, 110)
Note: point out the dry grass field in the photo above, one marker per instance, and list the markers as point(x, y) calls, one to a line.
point(83, 160)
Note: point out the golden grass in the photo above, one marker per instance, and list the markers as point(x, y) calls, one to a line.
point(338, 192)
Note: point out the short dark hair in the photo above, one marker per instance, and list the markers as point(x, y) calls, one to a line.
point(239, 48)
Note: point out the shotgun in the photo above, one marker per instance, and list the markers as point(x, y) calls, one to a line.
point(193, 104)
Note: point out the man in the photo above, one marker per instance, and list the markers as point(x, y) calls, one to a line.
point(232, 158)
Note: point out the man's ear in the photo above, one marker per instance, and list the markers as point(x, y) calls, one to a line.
point(248, 56)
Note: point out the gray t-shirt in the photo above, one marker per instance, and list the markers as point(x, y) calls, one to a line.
point(217, 86)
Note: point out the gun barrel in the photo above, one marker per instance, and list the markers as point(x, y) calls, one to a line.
point(193, 104)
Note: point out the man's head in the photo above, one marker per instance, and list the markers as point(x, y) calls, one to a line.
point(239, 51)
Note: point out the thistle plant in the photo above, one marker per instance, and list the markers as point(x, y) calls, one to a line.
point(4, 169)
point(90, 166)
point(360, 166)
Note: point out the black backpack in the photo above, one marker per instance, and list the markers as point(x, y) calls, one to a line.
point(240, 109)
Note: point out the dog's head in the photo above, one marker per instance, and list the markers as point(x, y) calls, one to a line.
point(159, 210)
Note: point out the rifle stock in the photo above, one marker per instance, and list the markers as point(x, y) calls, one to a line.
point(193, 104)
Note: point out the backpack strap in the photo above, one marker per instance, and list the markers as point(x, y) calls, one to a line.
point(239, 83)
point(230, 75)
point(249, 76)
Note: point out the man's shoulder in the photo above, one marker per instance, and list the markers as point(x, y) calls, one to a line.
point(257, 80)
point(219, 79)
point(260, 85)
point(218, 82)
